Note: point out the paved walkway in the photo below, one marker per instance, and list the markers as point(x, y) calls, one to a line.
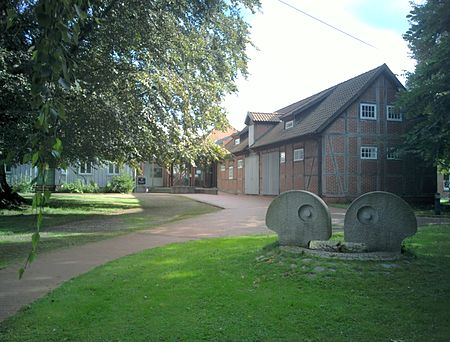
point(242, 215)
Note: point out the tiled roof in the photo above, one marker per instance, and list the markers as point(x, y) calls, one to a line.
point(262, 117)
point(303, 104)
point(321, 108)
point(243, 131)
point(216, 135)
point(233, 148)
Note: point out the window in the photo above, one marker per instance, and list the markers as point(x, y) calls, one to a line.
point(251, 135)
point(392, 114)
point(157, 172)
point(8, 168)
point(289, 124)
point(369, 152)
point(446, 183)
point(368, 111)
point(240, 163)
point(392, 154)
point(230, 172)
point(299, 154)
point(282, 157)
point(85, 169)
point(222, 167)
point(237, 141)
point(113, 169)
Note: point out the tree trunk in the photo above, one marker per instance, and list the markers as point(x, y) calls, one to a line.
point(8, 198)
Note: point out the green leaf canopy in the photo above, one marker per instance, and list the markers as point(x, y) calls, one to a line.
point(150, 77)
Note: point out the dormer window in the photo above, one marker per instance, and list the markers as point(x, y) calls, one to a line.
point(237, 141)
point(289, 124)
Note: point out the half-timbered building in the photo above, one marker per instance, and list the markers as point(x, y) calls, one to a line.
point(339, 143)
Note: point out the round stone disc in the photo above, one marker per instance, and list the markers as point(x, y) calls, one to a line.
point(298, 217)
point(381, 220)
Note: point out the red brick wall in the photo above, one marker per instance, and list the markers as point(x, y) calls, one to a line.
point(303, 174)
point(236, 184)
point(345, 175)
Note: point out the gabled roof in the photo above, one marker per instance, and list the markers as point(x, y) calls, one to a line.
point(217, 135)
point(322, 108)
point(262, 117)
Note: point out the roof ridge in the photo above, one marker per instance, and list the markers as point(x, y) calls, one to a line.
point(328, 103)
point(323, 92)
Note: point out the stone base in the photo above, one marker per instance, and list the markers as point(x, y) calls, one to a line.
point(208, 191)
point(376, 256)
point(338, 246)
point(182, 189)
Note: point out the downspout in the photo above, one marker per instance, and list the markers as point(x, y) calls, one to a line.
point(319, 165)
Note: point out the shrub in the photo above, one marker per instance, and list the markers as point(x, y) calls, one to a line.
point(91, 188)
point(22, 186)
point(78, 187)
point(122, 183)
point(73, 188)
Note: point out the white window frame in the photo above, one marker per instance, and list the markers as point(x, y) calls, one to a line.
point(230, 172)
point(299, 154)
point(240, 163)
point(87, 167)
point(369, 152)
point(363, 111)
point(392, 154)
point(391, 115)
point(282, 157)
point(115, 169)
point(222, 167)
point(8, 169)
point(237, 141)
point(289, 124)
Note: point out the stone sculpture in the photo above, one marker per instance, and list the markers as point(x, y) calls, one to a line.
point(375, 222)
point(299, 217)
point(380, 220)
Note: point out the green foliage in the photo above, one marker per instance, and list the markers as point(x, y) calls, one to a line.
point(120, 184)
point(232, 290)
point(23, 186)
point(150, 76)
point(427, 99)
point(78, 187)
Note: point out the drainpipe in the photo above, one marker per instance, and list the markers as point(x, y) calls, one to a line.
point(319, 166)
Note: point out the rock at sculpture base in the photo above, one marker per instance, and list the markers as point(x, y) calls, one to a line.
point(338, 246)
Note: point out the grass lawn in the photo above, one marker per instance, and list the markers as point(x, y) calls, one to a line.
point(72, 219)
point(242, 289)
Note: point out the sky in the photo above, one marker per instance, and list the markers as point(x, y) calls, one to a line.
point(296, 56)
